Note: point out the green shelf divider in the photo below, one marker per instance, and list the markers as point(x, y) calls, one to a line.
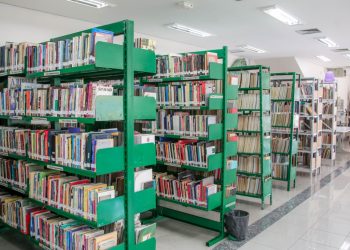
point(145, 155)
point(146, 245)
point(232, 92)
point(144, 200)
point(231, 149)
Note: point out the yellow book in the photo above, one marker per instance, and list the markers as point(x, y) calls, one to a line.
point(87, 189)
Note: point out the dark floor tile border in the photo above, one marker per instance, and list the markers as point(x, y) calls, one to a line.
point(275, 215)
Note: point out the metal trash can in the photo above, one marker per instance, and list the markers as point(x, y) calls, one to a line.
point(236, 223)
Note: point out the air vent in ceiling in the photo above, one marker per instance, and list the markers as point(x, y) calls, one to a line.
point(341, 50)
point(235, 51)
point(308, 31)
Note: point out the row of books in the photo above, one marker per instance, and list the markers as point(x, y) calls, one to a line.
point(185, 64)
point(187, 94)
point(306, 90)
point(249, 164)
point(306, 109)
point(327, 123)
point(53, 231)
point(12, 57)
point(69, 193)
point(145, 43)
point(248, 101)
point(280, 171)
point(185, 152)
point(15, 172)
point(78, 51)
point(245, 79)
point(279, 107)
point(280, 144)
point(185, 187)
point(248, 123)
point(69, 147)
point(282, 92)
point(183, 123)
point(248, 144)
point(248, 185)
point(328, 93)
point(74, 99)
point(327, 138)
point(280, 119)
point(328, 109)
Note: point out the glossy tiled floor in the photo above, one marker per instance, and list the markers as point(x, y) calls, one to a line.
point(321, 221)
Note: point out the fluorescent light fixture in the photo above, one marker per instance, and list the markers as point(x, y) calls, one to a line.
point(347, 55)
point(91, 3)
point(253, 49)
point(327, 41)
point(188, 30)
point(323, 58)
point(281, 15)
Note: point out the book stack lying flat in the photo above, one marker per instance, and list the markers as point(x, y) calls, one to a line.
point(283, 92)
point(73, 99)
point(248, 185)
point(185, 152)
point(249, 164)
point(185, 188)
point(249, 144)
point(249, 123)
point(185, 64)
point(187, 94)
point(182, 123)
point(73, 195)
point(12, 57)
point(53, 231)
point(78, 51)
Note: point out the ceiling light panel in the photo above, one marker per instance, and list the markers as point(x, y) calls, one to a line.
point(327, 41)
point(252, 49)
point(189, 30)
point(347, 55)
point(324, 59)
point(90, 3)
point(281, 15)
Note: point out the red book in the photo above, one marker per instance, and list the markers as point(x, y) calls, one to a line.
point(232, 137)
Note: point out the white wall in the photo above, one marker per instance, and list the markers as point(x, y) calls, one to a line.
point(283, 64)
point(310, 69)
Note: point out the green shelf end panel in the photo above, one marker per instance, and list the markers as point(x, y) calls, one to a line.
point(110, 108)
point(144, 200)
point(215, 102)
point(144, 155)
point(232, 92)
point(266, 103)
point(232, 121)
point(215, 73)
point(231, 149)
point(109, 61)
point(266, 167)
point(146, 245)
point(267, 187)
point(213, 202)
point(109, 160)
point(108, 211)
point(231, 176)
point(266, 143)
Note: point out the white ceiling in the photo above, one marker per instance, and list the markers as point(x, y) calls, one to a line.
point(233, 23)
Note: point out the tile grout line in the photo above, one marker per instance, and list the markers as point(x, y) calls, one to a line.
point(278, 213)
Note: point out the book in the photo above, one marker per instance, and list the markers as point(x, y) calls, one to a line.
point(145, 232)
point(141, 177)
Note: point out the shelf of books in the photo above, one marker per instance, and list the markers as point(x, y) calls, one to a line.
point(285, 126)
point(310, 127)
point(68, 146)
point(195, 140)
point(329, 121)
point(254, 131)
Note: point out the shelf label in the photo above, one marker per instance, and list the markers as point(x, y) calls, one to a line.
point(188, 78)
point(216, 97)
point(55, 167)
point(52, 73)
point(16, 117)
point(18, 190)
point(19, 71)
point(68, 120)
point(4, 153)
point(154, 80)
point(230, 204)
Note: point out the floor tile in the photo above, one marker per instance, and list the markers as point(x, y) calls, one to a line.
point(310, 245)
point(324, 238)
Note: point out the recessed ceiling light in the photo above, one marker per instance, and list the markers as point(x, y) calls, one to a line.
point(253, 49)
point(185, 4)
point(327, 41)
point(189, 30)
point(323, 58)
point(91, 3)
point(281, 15)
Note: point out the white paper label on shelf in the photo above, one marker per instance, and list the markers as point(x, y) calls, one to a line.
point(188, 78)
point(16, 117)
point(154, 80)
point(68, 121)
point(52, 73)
point(55, 167)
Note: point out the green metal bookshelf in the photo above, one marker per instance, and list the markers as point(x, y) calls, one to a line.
point(286, 171)
point(117, 62)
point(218, 202)
point(263, 132)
